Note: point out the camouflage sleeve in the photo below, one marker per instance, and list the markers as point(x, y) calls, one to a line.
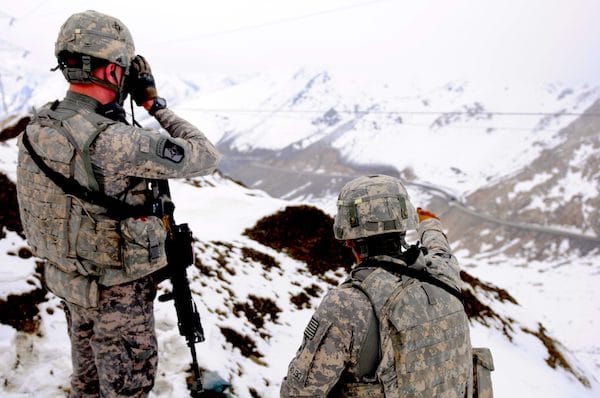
point(330, 344)
point(439, 254)
point(147, 153)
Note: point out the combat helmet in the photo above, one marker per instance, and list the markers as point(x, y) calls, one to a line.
point(373, 205)
point(93, 35)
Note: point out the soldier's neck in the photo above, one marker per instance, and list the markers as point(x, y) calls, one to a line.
point(101, 94)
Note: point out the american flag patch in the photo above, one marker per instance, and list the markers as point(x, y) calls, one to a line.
point(311, 329)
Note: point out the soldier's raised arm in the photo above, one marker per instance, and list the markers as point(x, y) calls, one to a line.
point(146, 153)
point(432, 236)
point(132, 151)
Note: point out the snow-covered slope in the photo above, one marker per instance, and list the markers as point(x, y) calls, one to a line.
point(256, 295)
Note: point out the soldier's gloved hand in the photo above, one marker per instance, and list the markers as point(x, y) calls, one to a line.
point(424, 214)
point(141, 83)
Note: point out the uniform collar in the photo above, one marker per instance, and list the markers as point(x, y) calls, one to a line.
point(81, 101)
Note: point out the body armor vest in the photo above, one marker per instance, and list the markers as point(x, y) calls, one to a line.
point(425, 348)
point(83, 244)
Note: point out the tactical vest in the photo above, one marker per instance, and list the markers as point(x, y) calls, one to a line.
point(425, 348)
point(83, 244)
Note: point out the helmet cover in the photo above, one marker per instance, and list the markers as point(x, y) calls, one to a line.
point(373, 205)
point(97, 35)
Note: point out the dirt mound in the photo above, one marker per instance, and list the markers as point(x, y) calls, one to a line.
point(306, 234)
point(15, 129)
point(9, 215)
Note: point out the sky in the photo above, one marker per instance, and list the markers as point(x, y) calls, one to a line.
point(425, 41)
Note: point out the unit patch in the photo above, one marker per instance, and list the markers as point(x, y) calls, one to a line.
point(167, 149)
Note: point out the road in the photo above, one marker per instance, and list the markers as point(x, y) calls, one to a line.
point(443, 193)
point(453, 201)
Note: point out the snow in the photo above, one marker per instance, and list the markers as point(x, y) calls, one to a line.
point(205, 209)
point(558, 293)
point(16, 279)
point(525, 186)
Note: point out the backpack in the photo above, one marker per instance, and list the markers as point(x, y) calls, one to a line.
point(423, 337)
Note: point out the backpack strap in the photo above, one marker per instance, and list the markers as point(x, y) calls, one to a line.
point(70, 186)
point(417, 271)
point(369, 355)
point(378, 286)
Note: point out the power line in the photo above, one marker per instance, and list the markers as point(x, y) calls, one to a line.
point(299, 114)
point(391, 113)
point(273, 23)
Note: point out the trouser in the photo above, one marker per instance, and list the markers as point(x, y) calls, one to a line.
point(113, 346)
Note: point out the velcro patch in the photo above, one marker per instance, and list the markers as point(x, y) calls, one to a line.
point(145, 144)
point(311, 329)
point(167, 149)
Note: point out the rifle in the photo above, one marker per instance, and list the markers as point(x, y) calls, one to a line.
point(180, 256)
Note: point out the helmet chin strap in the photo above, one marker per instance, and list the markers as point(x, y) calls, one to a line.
point(112, 87)
point(84, 75)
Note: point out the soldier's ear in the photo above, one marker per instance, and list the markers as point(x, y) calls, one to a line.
point(111, 73)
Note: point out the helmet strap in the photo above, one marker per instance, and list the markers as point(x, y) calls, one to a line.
point(83, 74)
point(78, 74)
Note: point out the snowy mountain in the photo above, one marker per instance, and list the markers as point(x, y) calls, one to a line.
point(518, 192)
point(322, 127)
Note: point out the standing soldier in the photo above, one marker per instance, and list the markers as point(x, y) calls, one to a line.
point(396, 327)
point(84, 182)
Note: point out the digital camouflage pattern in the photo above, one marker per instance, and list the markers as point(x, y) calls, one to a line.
point(340, 324)
point(106, 361)
point(78, 238)
point(440, 262)
point(424, 337)
point(373, 205)
point(98, 35)
point(425, 346)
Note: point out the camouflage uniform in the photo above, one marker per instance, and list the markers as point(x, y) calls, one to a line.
point(423, 348)
point(101, 265)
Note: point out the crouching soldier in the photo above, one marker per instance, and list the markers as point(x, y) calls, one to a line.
point(396, 327)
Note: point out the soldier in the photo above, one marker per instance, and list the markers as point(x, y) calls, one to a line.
point(85, 193)
point(396, 327)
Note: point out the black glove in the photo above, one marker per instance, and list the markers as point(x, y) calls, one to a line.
point(141, 82)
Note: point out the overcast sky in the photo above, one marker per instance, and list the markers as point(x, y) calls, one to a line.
point(503, 41)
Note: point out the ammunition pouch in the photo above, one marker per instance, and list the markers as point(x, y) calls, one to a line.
point(82, 290)
point(483, 365)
